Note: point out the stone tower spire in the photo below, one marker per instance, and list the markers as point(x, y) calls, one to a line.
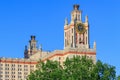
point(94, 45)
point(66, 21)
point(40, 47)
point(75, 14)
point(76, 34)
point(32, 43)
point(32, 48)
point(86, 19)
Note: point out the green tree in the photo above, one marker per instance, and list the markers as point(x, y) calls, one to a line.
point(76, 68)
point(46, 71)
point(104, 71)
point(118, 78)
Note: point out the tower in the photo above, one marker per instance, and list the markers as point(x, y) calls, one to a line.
point(76, 34)
point(32, 48)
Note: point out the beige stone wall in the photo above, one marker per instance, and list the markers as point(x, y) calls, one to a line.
point(14, 69)
point(17, 69)
point(61, 55)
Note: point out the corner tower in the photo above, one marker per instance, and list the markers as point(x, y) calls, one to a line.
point(32, 48)
point(76, 34)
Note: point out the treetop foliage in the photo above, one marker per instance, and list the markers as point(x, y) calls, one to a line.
point(76, 68)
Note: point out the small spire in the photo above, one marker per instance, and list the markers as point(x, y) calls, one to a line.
point(29, 46)
point(76, 7)
point(94, 45)
point(66, 21)
point(86, 18)
point(40, 47)
point(25, 47)
point(32, 37)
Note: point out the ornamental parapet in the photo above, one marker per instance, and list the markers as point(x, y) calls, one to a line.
point(17, 60)
point(81, 49)
point(69, 51)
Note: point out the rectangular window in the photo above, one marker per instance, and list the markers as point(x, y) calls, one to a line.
point(19, 65)
point(86, 32)
point(86, 40)
point(1, 64)
point(65, 34)
point(72, 30)
point(25, 65)
point(72, 41)
point(65, 42)
point(6, 64)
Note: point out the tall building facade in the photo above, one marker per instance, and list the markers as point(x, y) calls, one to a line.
point(76, 43)
point(76, 34)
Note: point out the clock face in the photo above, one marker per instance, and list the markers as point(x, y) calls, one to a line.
point(80, 28)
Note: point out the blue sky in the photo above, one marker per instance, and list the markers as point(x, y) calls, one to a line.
point(45, 19)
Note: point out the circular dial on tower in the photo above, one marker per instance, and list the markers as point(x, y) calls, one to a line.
point(80, 28)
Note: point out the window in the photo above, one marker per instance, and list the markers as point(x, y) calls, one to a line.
point(86, 40)
point(19, 76)
point(1, 75)
point(6, 72)
point(13, 72)
point(25, 66)
point(13, 76)
point(1, 64)
point(72, 30)
point(13, 65)
point(72, 39)
point(79, 40)
point(6, 64)
point(25, 69)
point(90, 57)
point(65, 34)
point(6, 68)
point(25, 73)
point(1, 68)
point(19, 69)
point(19, 65)
point(65, 42)
point(6, 76)
point(13, 69)
point(19, 73)
point(32, 66)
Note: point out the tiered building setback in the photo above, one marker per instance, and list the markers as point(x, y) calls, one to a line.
point(76, 43)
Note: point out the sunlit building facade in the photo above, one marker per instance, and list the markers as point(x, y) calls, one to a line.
point(76, 43)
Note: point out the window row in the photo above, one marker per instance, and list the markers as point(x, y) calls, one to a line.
point(13, 65)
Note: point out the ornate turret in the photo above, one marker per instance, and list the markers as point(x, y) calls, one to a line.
point(32, 48)
point(76, 34)
point(86, 19)
point(76, 7)
point(32, 43)
point(75, 14)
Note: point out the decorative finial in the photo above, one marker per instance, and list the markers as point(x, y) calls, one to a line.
point(94, 45)
point(25, 47)
point(32, 37)
point(40, 47)
point(66, 21)
point(86, 19)
point(76, 7)
point(29, 46)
